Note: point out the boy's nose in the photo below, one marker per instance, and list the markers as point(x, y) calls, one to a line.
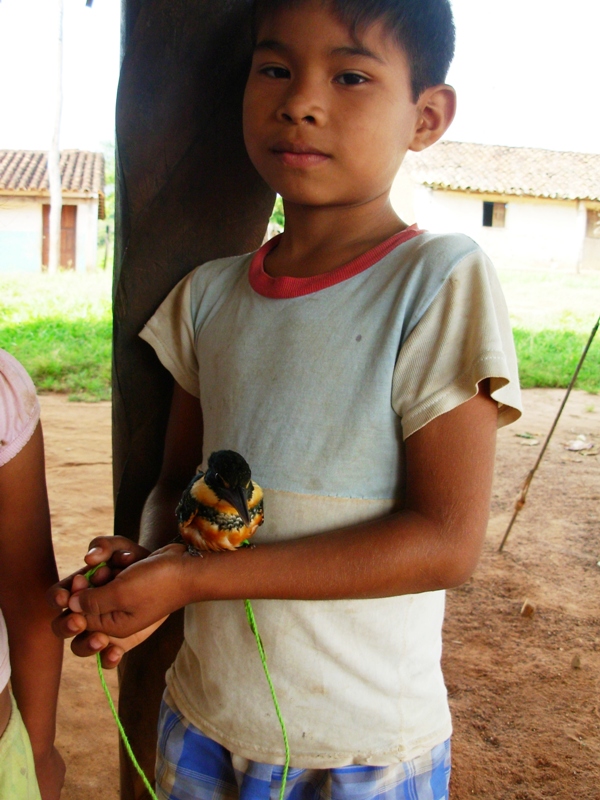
point(297, 118)
point(300, 105)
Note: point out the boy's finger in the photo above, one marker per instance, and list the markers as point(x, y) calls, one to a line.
point(79, 582)
point(103, 610)
point(88, 644)
point(111, 656)
point(57, 596)
point(68, 624)
point(97, 603)
point(75, 603)
point(107, 548)
point(124, 558)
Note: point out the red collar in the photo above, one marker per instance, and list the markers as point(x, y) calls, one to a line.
point(285, 287)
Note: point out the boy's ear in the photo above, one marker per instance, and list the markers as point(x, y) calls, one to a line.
point(436, 107)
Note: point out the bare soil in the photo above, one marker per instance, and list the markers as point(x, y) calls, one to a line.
point(524, 690)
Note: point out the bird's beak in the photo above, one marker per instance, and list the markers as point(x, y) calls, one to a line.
point(237, 498)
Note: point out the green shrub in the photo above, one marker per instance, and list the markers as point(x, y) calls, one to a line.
point(60, 328)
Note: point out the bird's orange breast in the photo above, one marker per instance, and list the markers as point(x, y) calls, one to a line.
point(215, 524)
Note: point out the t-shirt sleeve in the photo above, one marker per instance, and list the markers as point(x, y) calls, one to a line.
point(463, 338)
point(171, 333)
point(19, 407)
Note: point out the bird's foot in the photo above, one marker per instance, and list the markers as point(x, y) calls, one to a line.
point(193, 551)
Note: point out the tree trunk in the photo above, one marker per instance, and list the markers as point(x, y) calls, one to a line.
point(186, 193)
point(54, 180)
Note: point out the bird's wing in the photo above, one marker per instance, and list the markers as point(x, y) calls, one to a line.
point(187, 506)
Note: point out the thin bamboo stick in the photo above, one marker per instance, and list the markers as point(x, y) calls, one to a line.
point(520, 502)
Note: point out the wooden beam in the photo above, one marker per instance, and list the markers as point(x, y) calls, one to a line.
point(186, 193)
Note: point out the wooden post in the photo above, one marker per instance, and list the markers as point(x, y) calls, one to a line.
point(186, 193)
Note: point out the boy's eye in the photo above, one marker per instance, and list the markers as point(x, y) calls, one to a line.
point(351, 79)
point(275, 72)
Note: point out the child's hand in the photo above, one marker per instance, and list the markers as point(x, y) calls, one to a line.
point(136, 598)
point(111, 648)
point(117, 551)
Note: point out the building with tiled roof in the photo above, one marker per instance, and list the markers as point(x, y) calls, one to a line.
point(527, 207)
point(25, 209)
point(515, 171)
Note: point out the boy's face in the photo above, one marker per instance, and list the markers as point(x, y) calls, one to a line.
point(328, 117)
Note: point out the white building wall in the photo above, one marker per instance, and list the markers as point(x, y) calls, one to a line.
point(21, 231)
point(537, 232)
point(20, 234)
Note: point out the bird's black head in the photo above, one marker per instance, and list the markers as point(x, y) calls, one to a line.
point(227, 468)
point(228, 475)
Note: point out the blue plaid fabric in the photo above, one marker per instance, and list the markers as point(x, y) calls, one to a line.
point(190, 766)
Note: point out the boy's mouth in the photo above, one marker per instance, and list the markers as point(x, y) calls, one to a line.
point(295, 154)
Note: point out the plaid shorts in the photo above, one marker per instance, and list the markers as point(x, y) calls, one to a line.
point(190, 766)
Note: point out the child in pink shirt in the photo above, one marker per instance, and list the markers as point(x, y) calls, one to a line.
point(30, 765)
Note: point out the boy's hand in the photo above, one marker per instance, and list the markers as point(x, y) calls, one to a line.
point(136, 598)
point(117, 551)
point(111, 648)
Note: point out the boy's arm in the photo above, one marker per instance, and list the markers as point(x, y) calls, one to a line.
point(27, 569)
point(182, 455)
point(433, 543)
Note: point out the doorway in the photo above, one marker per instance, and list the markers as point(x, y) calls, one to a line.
point(68, 229)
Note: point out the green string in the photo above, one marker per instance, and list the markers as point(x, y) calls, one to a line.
point(122, 730)
point(263, 658)
point(115, 714)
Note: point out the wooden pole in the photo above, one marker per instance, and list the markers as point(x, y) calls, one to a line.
point(186, 193)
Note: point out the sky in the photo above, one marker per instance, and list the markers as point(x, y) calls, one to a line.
point(525, 72)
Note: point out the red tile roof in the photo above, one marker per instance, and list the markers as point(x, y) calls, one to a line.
point(26, 171)
point(494, 169)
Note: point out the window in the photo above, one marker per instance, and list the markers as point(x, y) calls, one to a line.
point(494, 215)
point(592, 230)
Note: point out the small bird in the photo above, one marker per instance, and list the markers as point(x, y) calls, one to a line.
point(221, 508)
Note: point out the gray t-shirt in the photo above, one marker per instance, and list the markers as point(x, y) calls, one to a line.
point(318, 382)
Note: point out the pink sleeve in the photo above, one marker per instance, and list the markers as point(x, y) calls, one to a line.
point(19, 407)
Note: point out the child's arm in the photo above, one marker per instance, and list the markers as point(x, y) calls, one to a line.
point(433, 543)
point(27, 568)
point(182, 455)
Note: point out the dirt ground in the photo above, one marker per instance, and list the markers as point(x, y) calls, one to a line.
point(524, 690)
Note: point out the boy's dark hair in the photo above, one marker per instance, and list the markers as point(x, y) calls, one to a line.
point(424, 29)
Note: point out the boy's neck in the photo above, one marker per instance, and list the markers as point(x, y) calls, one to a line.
point(318, 240)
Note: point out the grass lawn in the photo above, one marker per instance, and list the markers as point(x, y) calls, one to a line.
point(552, 315)
point(59, 327)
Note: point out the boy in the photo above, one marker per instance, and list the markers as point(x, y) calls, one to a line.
point(361, 367)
